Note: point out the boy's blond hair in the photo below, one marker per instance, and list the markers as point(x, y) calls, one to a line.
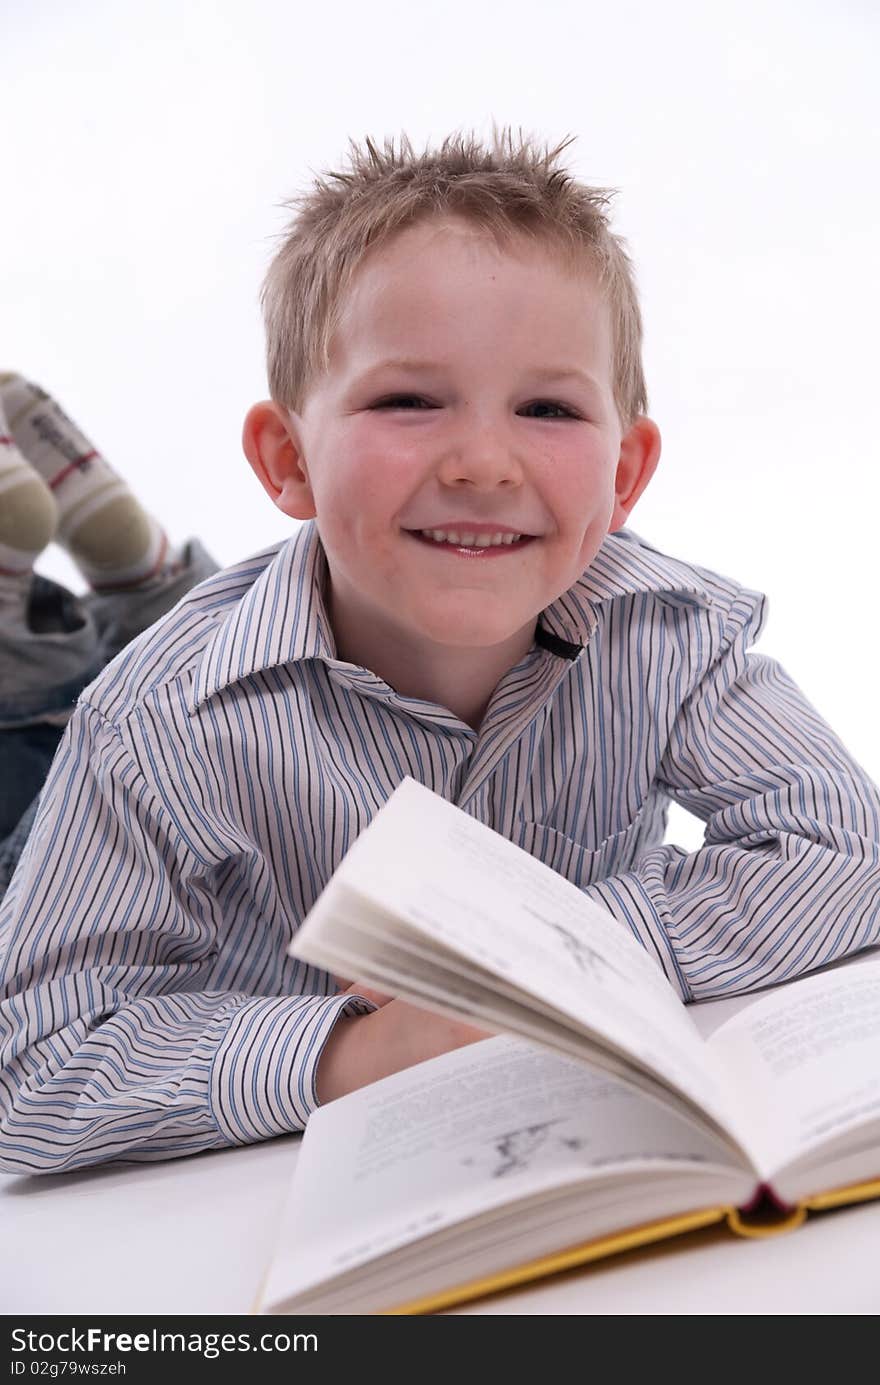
point(507, 190)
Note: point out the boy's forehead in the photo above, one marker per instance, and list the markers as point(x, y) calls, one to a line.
point(394, 295)
point(456, 233)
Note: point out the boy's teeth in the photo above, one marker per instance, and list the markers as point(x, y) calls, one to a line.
point(466, 540)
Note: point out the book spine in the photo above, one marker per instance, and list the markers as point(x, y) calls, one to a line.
point(768, 1215)
point(765, 1217)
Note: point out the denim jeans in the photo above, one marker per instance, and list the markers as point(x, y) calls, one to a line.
point(47, 660)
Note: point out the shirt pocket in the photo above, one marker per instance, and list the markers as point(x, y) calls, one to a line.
point(580, 864)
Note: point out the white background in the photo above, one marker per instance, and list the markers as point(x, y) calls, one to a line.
point(147, 149)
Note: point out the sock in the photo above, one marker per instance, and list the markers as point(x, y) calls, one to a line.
point(28, 518)
point(113, 541)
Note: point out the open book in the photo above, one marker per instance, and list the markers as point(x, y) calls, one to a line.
point(606, 1114)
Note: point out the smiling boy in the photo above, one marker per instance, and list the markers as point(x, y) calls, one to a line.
point(488, 464)
point(458, 413)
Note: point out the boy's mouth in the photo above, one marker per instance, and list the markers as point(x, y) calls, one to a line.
point(486, 544)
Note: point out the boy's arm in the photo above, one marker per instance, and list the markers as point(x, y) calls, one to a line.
point(112, 1042)
point(789, 876)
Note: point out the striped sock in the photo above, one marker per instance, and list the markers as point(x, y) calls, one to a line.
point(115, 542)
point(28, 519)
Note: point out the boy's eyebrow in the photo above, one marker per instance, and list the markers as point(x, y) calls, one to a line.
point(537, 373)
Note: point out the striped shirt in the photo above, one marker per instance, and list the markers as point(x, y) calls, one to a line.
point(213, 776)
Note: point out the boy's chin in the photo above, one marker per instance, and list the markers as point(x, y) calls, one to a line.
point(476, 629)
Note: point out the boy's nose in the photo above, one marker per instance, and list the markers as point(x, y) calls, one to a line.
point(483, 459)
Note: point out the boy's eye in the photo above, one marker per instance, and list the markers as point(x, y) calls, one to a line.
point(551, 404)
point(399, 401)
point(396, 401)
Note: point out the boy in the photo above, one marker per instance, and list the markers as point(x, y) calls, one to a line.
point(458, 413)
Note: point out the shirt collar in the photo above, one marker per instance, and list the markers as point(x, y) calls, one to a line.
point(624, 566)
point(282, 616)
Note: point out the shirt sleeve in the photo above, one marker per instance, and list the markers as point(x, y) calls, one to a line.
point(788, 878)
point(110, 1046)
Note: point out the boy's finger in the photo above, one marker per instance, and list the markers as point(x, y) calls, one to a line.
point(377, 997)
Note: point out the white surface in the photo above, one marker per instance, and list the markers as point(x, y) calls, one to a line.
point(195, 1236)
point(183, 1236)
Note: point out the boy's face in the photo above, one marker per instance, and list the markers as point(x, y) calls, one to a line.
point(488, 437)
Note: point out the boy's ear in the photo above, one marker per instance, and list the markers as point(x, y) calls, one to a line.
point(272, 448)
point(639, 455)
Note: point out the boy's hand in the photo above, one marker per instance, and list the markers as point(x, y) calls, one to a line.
point(343, 984)
point(354, 988)
point(364, 1048)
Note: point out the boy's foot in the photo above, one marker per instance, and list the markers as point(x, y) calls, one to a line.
point(115, 542)
point(28, 520)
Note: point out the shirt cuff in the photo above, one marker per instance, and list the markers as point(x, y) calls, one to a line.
point(263, 1074)
point(627, 899)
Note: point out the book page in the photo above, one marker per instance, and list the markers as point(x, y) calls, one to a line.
point(709, 1015)
point(809, 1053)
point(449, 882)
point(498, 1122)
